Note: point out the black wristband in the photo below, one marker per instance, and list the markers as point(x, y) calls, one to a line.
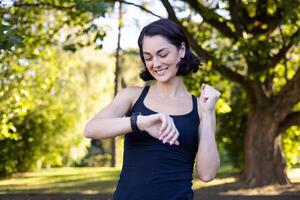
point(133, 119)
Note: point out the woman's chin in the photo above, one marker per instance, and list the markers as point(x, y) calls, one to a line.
point(162, 79)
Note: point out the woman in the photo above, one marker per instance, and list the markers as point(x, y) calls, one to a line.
point(165, 127)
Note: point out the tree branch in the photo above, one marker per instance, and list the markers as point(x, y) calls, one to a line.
point(212, 18)
point(282, 52)
point(71, 7)
point(262, 15)
point(261, 8)
point(233, 9)
point(232, 75)
point(260, 95)
point(256, 25)
point(49, 5)
point(207, 56)
point(197, 48)
point(288, 97)
point(275, 59)
point(141, 7)
point(290, 120)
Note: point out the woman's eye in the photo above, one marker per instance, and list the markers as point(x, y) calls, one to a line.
point(163, 55)
point(147, 59)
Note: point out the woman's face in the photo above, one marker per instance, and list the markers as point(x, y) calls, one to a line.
point(161, 57)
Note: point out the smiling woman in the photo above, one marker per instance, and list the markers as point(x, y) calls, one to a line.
point(165, 127)
point(161, 63)
point(164, 44)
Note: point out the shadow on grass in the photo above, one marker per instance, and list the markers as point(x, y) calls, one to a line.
point(99, 185)
point(206, 193)
point(74, 196)
point(239, 191)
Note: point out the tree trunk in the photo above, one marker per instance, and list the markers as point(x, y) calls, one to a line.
point(264, 159)
point(117, 84)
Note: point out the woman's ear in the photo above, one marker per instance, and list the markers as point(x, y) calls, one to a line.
point(182, 50)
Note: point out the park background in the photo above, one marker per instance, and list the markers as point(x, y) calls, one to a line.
point(62, 61)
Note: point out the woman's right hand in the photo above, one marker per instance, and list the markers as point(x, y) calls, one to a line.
point(160, 126)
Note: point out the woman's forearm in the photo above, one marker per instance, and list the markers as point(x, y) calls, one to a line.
point(208, 160)
point(101, 128)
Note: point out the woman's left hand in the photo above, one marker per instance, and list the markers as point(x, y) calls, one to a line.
point(208, 98)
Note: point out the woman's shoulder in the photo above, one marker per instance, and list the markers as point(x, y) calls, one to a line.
point(132, 92)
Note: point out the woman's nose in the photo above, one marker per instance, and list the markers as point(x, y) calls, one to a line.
point(156, 63)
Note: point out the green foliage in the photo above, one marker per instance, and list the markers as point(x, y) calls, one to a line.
point(44, 22)
point(131, 66)
point(97, 7)
point(8, 37)
point(232, 129)
point(42, 112)
point(36, 111)
point(291, 144)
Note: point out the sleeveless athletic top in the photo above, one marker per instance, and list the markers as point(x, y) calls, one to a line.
point(156, 171)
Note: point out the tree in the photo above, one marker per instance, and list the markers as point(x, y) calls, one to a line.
point(253, 44)
point(117, 81)
point(39, 96)
point(260, 35)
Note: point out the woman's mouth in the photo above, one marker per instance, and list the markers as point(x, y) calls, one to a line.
point(160, 71)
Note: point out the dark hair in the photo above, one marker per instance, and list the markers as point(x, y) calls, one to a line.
point(175, 35)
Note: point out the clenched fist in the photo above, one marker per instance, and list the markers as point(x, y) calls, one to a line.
point(208, 98)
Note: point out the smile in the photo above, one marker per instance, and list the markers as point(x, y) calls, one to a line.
point(160, 71)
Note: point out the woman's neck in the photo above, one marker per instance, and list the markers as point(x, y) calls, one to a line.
point(171, 89)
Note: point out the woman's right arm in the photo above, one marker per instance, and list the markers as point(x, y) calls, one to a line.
point(110, 121)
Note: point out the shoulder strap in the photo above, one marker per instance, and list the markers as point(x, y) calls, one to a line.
point(140, 99)
point(195, 104)
point(195, 109)
point(143, 94)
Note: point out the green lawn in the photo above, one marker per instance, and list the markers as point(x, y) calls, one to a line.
point(88, 180)
point(63, 180)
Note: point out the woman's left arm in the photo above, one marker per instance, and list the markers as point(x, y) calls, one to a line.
point(208, 159)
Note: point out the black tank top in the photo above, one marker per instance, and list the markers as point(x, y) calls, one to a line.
point(153, 170)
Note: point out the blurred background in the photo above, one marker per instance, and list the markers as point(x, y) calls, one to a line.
point(63, 61)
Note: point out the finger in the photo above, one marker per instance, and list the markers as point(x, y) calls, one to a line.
point(174, 138)
point(168, 129)
point(170, 135)
point(203, 90)
point(202, 86)
point(164, 126)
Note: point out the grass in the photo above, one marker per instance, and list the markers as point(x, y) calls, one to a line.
point(88, 180)
point(62, 180)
